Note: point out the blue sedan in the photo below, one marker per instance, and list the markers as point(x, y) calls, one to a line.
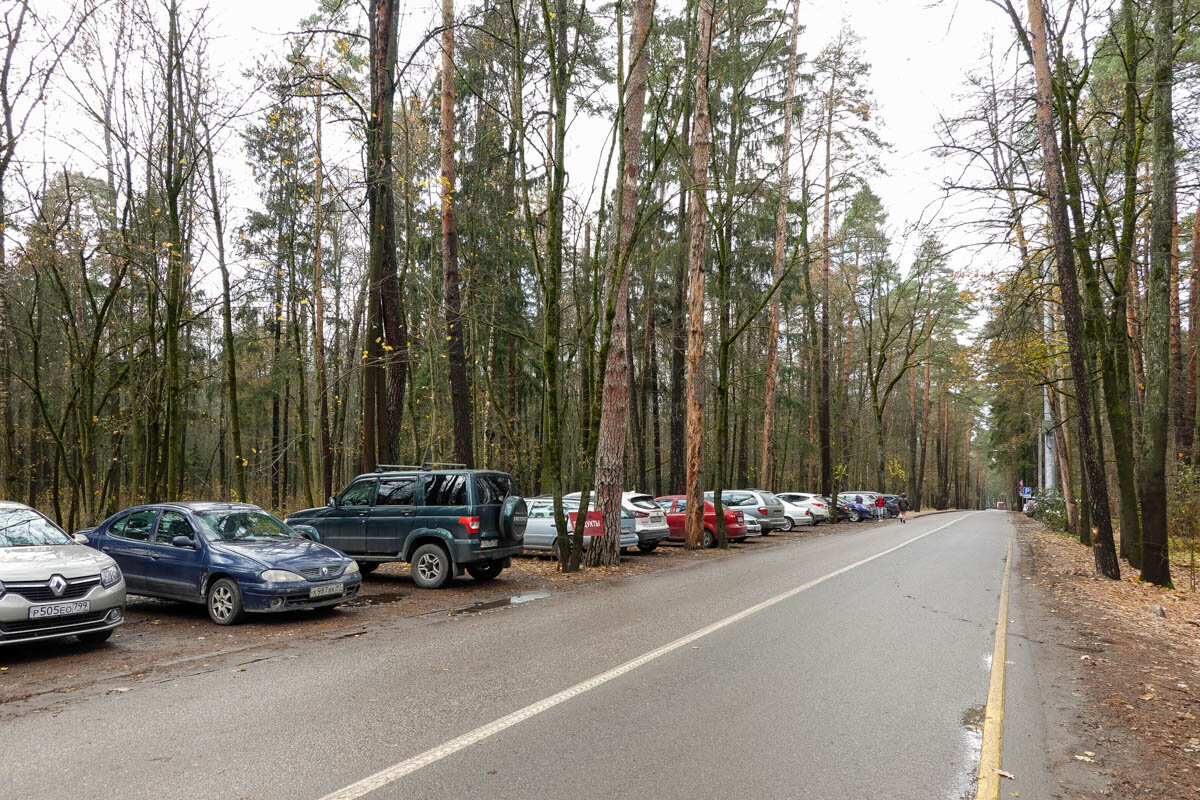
point(233, 557)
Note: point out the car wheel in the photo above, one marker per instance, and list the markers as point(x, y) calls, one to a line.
point(788, 523)
point(225, 602)
point(486, 572)
point(709, 539)
point(430, 566)
point(367, 567)
point(854, 515)
point(96, 637)
point(648, 547)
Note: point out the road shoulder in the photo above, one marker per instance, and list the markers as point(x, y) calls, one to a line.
point(1120, 684)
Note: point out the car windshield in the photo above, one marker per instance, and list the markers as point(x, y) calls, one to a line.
point(24, 527)
point(242, 526)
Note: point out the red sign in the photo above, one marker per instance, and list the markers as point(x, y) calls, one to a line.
point(592, 526)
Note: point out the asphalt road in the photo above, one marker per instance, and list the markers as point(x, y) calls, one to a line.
point(863, 675)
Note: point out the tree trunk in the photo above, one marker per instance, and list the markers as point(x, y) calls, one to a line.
point(319, 315)
point(614, 414)
point(698, 213)
point(460, 390)
point(1105, 552)
point(767, 475)
point(1156, 566)
point(823, 400)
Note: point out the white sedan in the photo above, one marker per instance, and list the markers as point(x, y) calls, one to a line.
point(816, 507)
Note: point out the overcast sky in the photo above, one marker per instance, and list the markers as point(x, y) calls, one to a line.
point(920, 52)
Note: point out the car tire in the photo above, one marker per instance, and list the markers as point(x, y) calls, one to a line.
point(431, 567)
point(95, 637)
point(648, 547)
point(224, 602)
point(709, 539)
point(487, 572)
point(367, 567)
point(854, 515)
point(788, 524)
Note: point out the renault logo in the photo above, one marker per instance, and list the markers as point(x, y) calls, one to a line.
point(324, 571)
point(58, 585)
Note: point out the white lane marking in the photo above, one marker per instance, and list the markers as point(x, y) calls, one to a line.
point(409, 766)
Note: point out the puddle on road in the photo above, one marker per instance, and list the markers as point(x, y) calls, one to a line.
point(971, 747)
point(488, 605)
point(375, 598)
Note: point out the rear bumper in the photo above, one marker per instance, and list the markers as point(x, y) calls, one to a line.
point(468, 552)
point(650, 536)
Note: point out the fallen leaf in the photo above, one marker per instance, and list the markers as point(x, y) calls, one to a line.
point(1004, 774)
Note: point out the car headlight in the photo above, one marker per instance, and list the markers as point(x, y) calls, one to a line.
point(351, 568)
point(280, 576)
point(111, 576)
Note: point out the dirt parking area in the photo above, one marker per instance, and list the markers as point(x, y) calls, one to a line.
point(161, 638)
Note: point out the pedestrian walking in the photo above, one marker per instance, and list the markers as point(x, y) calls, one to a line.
point(879, 508)
point(903, 504)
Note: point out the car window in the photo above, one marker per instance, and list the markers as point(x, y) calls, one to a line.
point(396, 491)
point(135, 526)
point(173, 524)
point(492, 489)
point(359, 494)
point(446, 490)
point(24, 527)
point(540, 511)
point(643, 501)
point(665, 504)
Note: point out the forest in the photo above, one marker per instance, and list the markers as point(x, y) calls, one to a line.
point(373, 248)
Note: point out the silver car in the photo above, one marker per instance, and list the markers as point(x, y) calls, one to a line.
point(52, 585)
point(813, 503)
point(540, 532)
point(649, 520)
point(757, 503)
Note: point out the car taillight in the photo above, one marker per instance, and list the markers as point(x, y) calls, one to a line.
point(471, 524)
point(762, 510)
point(640, 514)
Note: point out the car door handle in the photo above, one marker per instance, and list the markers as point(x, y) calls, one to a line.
point(362, 513)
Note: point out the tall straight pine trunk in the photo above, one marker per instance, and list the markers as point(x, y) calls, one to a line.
point(1105, 551)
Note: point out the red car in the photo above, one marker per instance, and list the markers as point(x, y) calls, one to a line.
point(675, 505)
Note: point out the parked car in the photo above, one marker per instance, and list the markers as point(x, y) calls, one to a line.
point(51, 584)
point(855, 511)
point(675, 508)
point(867, 499)
point(840, 508)
point(815, 504)
point(232, 557)
point(540, 533)
point(757, 503)
point(649, 521)
point(441, 521)
point(752, 527)
point(1030, 507)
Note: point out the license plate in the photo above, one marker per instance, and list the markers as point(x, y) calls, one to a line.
point(60, 609)
point(486, 543)
point(325, 589)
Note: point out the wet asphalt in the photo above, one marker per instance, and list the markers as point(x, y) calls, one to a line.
point(868, 684)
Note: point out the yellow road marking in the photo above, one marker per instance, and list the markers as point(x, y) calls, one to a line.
point(988, 785)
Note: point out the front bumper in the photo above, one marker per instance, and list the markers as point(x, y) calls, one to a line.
point(107, 611)
point(273, 597)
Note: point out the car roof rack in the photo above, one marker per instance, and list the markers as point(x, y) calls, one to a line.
point(390, 467)
point(441, 464)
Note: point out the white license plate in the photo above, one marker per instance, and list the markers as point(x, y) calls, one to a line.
point(60, 609)
point(486, 543)
point(325, 589)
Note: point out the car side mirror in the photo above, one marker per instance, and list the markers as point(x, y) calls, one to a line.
point(333, 502)
point(79, 538)
point(183, 541)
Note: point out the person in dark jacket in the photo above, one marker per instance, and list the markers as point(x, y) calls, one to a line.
point(903, 504)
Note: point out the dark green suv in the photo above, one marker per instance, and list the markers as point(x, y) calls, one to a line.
point(442, 521)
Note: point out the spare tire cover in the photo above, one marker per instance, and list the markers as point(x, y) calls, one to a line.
point(514, 516)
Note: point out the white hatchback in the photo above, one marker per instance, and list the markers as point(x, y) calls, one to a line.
point(51, 584)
